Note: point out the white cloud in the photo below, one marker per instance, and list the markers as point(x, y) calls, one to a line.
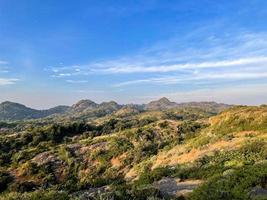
point(178, 67)
point(160, 80)
point(89, 91)
point(61, 75)
point(77, 81)
point(8, 81)
point(242, 49)
point(182, 54)
point(3, 62)
point(225, 76)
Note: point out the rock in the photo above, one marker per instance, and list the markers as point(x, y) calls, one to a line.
point(44, 158)
point(75, 148)
point(173, 187)
point(91, 193)
point(258, 193)
point(100, 145)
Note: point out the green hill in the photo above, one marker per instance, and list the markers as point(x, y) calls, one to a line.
point(85, 109)
point(15, 111)
point(186, 152)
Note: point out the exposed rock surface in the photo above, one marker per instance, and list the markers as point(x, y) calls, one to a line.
point(45, 158)
point(258, 193)
point(91, 193)
point(175, 187)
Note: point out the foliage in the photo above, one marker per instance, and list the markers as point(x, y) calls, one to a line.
point(56, 157)
point(235, 186)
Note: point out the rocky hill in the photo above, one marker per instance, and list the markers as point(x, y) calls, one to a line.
point(89, 109)
point(83, 105)
point(132, 153)
point(160, 104)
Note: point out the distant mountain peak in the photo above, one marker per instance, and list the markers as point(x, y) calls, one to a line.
point(10, 103)
point(113, 105)
point(15, 111)
point(85, 101)
point(84, 104)
point(162, 103)
point(164, 100)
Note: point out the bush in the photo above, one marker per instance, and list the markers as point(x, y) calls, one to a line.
point(36, 195)
point(5, 179)
point(26, 186)
point(148, 177)
point(236, 186)
point(188, 129)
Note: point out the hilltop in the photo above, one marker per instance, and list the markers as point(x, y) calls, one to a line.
point(15, 111)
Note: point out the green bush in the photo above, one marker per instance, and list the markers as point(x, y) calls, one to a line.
point(148, 176)
point(5, 179)
point(36, 195)
point(235, 186)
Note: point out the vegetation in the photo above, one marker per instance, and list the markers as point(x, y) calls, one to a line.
point(112, 155)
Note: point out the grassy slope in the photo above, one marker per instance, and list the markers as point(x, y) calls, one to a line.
point(142, 149)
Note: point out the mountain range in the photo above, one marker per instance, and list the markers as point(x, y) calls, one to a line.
point(15, 111)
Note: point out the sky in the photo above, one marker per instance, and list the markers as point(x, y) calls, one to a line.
point(134, 51)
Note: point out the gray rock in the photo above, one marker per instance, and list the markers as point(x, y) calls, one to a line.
point(258, 193)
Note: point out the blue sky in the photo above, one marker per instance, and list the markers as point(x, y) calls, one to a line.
point(57, 52)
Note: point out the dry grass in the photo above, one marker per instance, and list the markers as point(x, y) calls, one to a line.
point(180, 154)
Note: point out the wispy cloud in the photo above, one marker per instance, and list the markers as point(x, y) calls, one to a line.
point(207, 77)
point(89, 91)
point(77, 81)
point(8, 81)
point(4, 69)
point(3, 62)
point(62, 75)
point(212, 51)
point(240, 56)
point(178, 67)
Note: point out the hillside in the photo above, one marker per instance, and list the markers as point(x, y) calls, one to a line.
point(135, 154)
point(15, 111)
point(85, 109)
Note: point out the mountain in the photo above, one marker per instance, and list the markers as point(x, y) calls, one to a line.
point(128, 110)
point(164, 103)
point(88, 109)
point(56, 110)
point(109, 106)
point(16, 111)
point(88, 105)
point(160, 104)
point(208, 106)
point(83, 105)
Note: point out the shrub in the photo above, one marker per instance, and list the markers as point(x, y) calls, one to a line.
point(36, 195)
point(148, 177)
point(236, 186)
point(5, 179)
